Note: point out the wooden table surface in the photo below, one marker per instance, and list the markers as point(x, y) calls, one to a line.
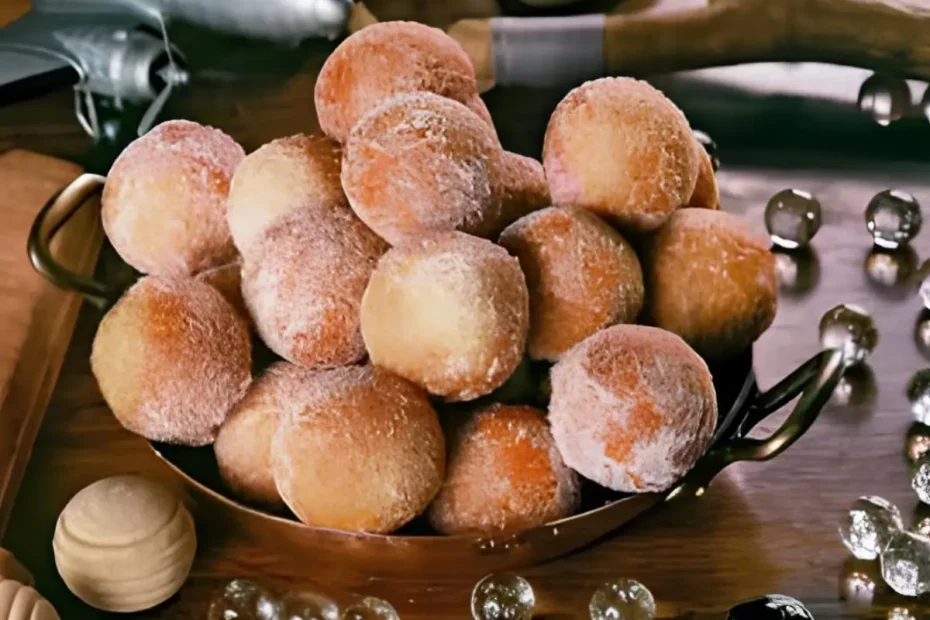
point(761, 527)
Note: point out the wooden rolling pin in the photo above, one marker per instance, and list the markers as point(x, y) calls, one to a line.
point(643, 37)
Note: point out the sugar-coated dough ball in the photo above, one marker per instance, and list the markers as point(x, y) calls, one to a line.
point(124, 544)
point(619, 147)
point(171, 358)
point(711, 280)
point(448, 312)
point(520, 188)
point(706, 193)
point(164, 203)
point(581, 274)
point(281, 176)
point(420, 163)
point(362, 451)
point(10, 568)
point(386, 59)
point(22, 602)
point(227, 280)
point(303, 282)
point(243, 445)
point(632, 408)
point(504, 473)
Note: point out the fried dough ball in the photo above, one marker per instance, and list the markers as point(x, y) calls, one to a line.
point(504, 473)
point(282, 176)
point(706, 193)
point(386, 59)
point(711, 280)
point(448, 312)
point(362, 452)
point(164, 203)
point(632, 408)
point(620, 148)
point(581, 274)
point(172, 358)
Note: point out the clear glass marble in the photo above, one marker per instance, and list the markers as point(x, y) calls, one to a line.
point(922, 527)
point(918, 393)
point(893, 218)
point(369, 608)
point(906, 564)
point(243, 599)
point(917, 442)
point(622, 599)
point(792, 217)
point(306, 605)
point(920, 480)
point(850, 328)
point(770, 607)
point(869, 525)
point(884, 98)
point(503, 596)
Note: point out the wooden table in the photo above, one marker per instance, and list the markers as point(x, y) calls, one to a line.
point(761, 527)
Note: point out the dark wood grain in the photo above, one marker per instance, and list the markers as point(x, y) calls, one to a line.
point(760, 528)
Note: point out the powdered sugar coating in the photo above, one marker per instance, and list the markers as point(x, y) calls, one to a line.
point(164, 203)
point(227, 279)
point(581, 274)
point(303, 282)
point(171, 359)
point(449, 312)
point(362, 450)
point(281, 176)
point(632, 408)
point(519, 187)
point(710, 279)
point(419, 163)
point(504, 473)
point(386, 59)
point(706, 193)
point(243, 445)
point(619, 147)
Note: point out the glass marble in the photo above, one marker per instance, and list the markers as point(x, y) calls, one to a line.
point(243, 599)
point(906, 563)
point(503, 596)
point(770, 607)
point(918, 393)
point(869, 525)
point(792, 217)
point(307, 605)
point(893, 218)
point(369, 608)
point(924, 292)
point(884, 98)
point(922, 527)
point(622, 599)
point(710, 146)
point(920, 481)
point(850, 328)
point(917, 442)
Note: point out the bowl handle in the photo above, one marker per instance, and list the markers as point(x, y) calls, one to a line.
point(51, 218)
point(815, 380)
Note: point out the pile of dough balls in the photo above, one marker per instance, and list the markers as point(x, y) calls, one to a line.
point(404, 261)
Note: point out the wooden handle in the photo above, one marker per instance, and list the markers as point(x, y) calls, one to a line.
point(881, 35)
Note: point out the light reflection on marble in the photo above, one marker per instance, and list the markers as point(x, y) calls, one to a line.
point(922, 333)
point(860, 583)
point(798, 271)
point(856, 388)
point(892, 272)
point(917, 441)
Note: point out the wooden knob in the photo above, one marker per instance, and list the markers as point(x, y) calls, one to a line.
point(124, 544)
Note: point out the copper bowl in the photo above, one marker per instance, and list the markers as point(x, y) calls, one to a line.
point(417, 550)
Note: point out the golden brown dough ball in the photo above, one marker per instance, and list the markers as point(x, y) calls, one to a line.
point(620, 148)
point(581, 274)
point(164, 203)
point(227, 280)
point(448, 312)
point(421, 163)
point(706, 193)
point(243, 445)
point(632, 408)
point(363, 451)
point(282, 176)
point(504, 473)
point(303, 282)
point(171, 358)
point(710, 280)
point(386, 59)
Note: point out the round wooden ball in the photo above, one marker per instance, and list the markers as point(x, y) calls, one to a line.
point(124, 544)
point(22, 602)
